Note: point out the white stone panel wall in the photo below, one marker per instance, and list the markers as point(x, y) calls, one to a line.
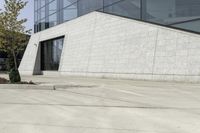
point(102, 45)
point(28, 62)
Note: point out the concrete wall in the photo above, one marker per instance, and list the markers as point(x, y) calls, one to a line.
point(104, 45)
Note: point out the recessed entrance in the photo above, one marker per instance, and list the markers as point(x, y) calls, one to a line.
point(51, 53)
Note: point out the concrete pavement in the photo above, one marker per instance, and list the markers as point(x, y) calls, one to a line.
point(89, 105)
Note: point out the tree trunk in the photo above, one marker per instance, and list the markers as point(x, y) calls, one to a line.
point(14, 74)
point(15, 60)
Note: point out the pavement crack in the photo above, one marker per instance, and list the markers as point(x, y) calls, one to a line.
point(99, 106)
point(72, 126)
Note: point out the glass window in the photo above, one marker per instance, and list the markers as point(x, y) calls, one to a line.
point(42, 3)
point(187, 8)
point(127, 8)
point(35, 27)
point(192, 26)
point(52, 20)
point(167, 12)
point(161, 11)
point(41, 13)
point(48, 1)
point(42, 25)
point(35, 5)
point(110, 2)
point(86, 6)
point(70, 12)
point(52, 7)
point(35, 17)
point(68, 3)
point(170, 11)
point(51, 53)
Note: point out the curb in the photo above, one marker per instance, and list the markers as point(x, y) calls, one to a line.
point(27, 87)
point(43, 86)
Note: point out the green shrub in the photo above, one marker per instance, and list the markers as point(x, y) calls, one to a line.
point(14, 76)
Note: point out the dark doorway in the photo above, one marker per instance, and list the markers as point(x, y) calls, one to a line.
point(51, 53)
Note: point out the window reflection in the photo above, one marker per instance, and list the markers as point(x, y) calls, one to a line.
point(52, 20)
point(193, 25)
point(66, 3)
point(165, 12)
point(127, 8)
point(51, 53)
point(42, 24)
point(86, 6)
point(42, 13)
point(52, 7)
point(171, 11)
point(70, 12)
point(110, 2)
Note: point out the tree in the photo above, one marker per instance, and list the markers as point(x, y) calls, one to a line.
point(13, 34)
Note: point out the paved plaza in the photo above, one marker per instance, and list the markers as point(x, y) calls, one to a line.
point(89, 105)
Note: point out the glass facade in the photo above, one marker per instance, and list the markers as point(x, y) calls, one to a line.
point(51, 53)
point(183, 14)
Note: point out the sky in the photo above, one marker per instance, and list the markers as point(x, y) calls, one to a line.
point(27, 12)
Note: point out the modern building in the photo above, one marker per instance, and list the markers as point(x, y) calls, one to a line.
point(135, 39)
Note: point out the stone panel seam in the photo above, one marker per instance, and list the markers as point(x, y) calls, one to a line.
point(155, 49)
point(92, 41)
